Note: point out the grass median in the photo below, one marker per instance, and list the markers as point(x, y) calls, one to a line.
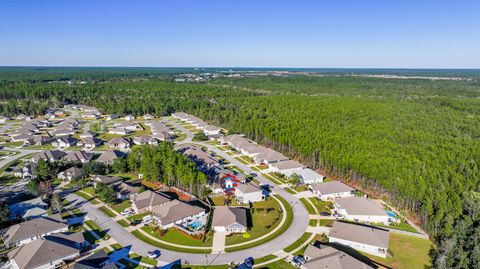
point(297, 243)
point(158, 244)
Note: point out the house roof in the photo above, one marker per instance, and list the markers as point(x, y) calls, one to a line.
point(238, 141)
point(67, 140)
point(361, 234)
point(125, 188)
point(175, 210)
point(106, 179)
point(149, 198)
point(28, 208)
point(226, 216)
point(118, 140)
point(327, 257)
point(248, 188)
point(331, 187)
point(32, 228)
point(197, 154)
point(360, 206)
point(271, 155)
point(308, 174)
point(77, 156)
point(110, 156)
point(94, 261)
point(288, 164)
point(74, 171)
point(49, 154)
point(44, 250)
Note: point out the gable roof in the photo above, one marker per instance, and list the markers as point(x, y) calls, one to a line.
point(288, 164)
point(110, 156)
point(106, 179)
point(77, 156)
point(248, 188)
point(271, 155)
point(326, 257)
point(175, 210)
point(44, 250)
point(93, 261)
point(28, 208)
point(226, 216)
point(331, 187)
point(149, 198)
point(360, 206)
point(49, 154)
point(33, 228)
point(361, 234)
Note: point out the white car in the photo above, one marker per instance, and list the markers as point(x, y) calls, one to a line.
point(153, 254)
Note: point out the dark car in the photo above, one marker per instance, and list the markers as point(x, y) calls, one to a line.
point(324, 213)
point(298, 260)
point(135, 222)
point(253, 174)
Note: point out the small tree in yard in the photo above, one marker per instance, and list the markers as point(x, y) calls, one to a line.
point(43, 170)
point(120, 166)
point(105, 193)
point(295, 180)
point(200, 136)
point(4, 212)
point(56, 203)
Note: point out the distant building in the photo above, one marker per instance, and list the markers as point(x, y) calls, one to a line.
point(326, 257)
point(105, 179)
point(109, 156)
point(48, 155)
point(72, 173)
point(146, 201)
point(247, 193)
point(119, 143)
point(78, 156)
point(308, 176)
point(361, 209)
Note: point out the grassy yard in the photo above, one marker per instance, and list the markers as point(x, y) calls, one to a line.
point(269, 177)
point(265, 259)
point(123, 223)
point(158, 244)
point(312, 222)
point(280, 264)
point(278, 177)
point(107, 211)
point(177, 237)
point(7, 179)
point(311, 210)
point(321, 206)
point(282, 229)
point(408, 252)
point(326, 222)
point(265, 217)
point(242, 160)
point(297, 243)
point(220, 201)
point(139, 216)
point(150, 261)
point(289, 190)
point(120, 207)
point(401, 226)
point(97, 229)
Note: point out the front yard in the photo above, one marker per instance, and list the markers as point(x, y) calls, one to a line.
point(178, 237)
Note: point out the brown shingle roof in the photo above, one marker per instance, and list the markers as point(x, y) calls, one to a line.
point(33, 228)
point(361, 234)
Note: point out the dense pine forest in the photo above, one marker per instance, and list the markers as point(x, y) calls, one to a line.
point(413, 142)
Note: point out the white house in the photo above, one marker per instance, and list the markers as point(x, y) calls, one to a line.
point(148, 117)
point(176, 212)
point(229, 219)
point(287, 168)
point(113, 116)
point(211, 131)
point(361, 209)
point(308, 176)
point(332, 189)
point(129, 117)
point(65, 142)
point(3, 119)
point(247, 193)
point(367, 239)
point(119, 131)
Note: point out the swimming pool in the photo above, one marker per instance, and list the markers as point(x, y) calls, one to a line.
point(196, 224)
point(391, 214)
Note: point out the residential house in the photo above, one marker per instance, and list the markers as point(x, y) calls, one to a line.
point(162, 136)
point(48, 155)
point(176, 212)
point(79, 156)
point(72, 173)
point(38, 140)
point(89, 143)
point(237, 141)
point(113, 116)
point(105, 179)
point(90, 116)
point(211, 131)
point(148, 117)
point(25, 172)
point(332, 189)
point(148, 200)
point(119, 131)
point(327, 257)
point(30, 209)
point(287, 168)
point(3, 119)
point(145, 140)
point(181, 115)
point(230, 219)
point(203, 159)
point(98, 260)
point(247, 193)
point(30, 230)
point(108, 157)
point(367, 239)
point(308, 176)
point(87, 134)
point(361, 209)
point(269, 156)
point(62, 132)
point(129, 117)
point(65, 142)
point(52, 251)
point(125, 191)
point(119, 143)
point(22, 137)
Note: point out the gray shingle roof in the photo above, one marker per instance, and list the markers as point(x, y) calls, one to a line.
point(226, 216)
point(33, 228)
point(327, 257)
point(331, 187)
point(361, 234)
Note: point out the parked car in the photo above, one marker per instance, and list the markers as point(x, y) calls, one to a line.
point(249, 262)
point(127, 212)
point(135, 222)
point(298, 260)
point(153, 254)
point(325, 214)
point(336, 215)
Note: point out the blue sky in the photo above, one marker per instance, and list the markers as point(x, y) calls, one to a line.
point(263, 33)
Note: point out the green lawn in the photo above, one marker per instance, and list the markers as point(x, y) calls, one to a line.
point(408, 252)
point(7, 179)
point(308, 206)
point(312, 222)
point(86, 197)
point(135, 256)
point(139, 216)
point(116, 246)
point(321, 206)
point(120, 207)
point(402, 226)
point(326, 222)
point(280, 264)
point(266, 216)
point(108, 212)
point(289, 190)
point(269, 177)
point(155, 243)
point(97, 229)
point(123, 223)
point(297, 243)
point(242, 160)
point(177, 237)
point(265, 259)
point(288, 222)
